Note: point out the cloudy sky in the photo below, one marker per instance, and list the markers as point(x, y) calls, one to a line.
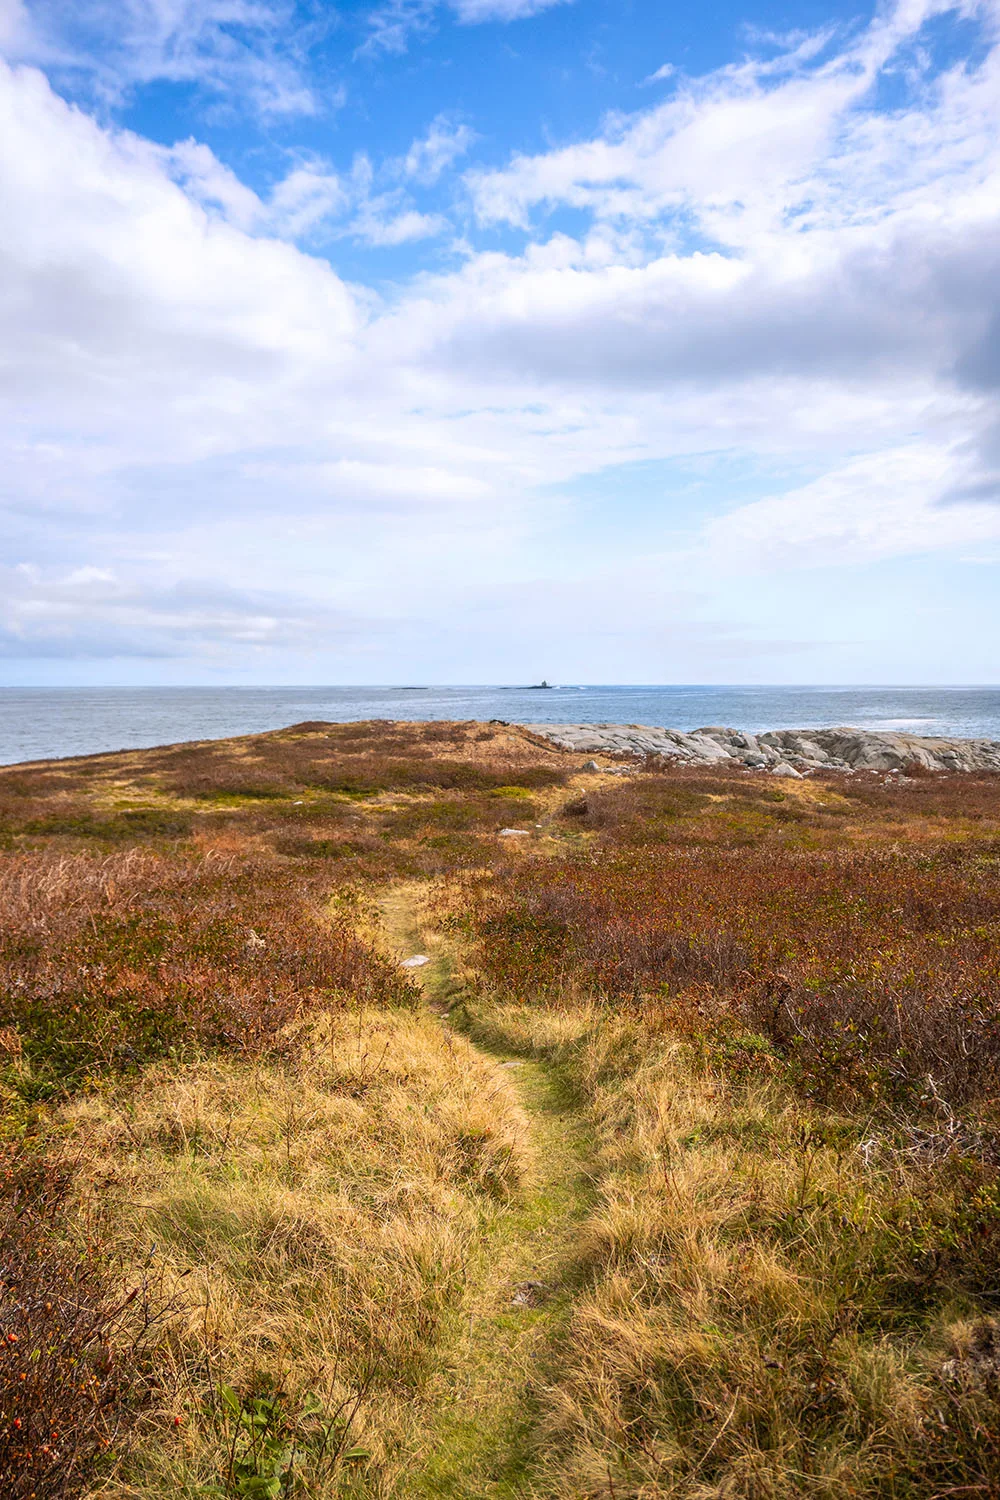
point(474, 340)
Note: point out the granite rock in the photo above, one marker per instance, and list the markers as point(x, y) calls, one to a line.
point(784, 752)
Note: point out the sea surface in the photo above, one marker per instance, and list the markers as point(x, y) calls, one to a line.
point(42, 723)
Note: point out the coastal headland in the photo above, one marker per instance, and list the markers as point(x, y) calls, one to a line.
point(490, 1111)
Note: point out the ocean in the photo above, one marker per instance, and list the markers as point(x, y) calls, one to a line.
point(41, 723)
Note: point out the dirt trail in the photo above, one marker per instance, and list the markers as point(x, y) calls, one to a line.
point(477, 1433)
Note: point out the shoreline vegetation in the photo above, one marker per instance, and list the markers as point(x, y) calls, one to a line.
point(674, 1171)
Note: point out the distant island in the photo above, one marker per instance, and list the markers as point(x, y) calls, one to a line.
point(534, 687)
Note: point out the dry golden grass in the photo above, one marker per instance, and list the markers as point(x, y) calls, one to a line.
point(771, 1293)
point(316, 1220)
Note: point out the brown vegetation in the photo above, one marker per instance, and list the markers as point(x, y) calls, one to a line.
point(76, 1337)
point(775, 1004)
point(324, 1273)
point(781, 1003)
point(777, 1300)
point(871, 967)
point(109, 963)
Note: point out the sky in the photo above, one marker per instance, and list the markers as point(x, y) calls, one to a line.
point(425, 341)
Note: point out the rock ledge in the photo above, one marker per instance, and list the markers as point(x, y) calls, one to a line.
point(784, 752)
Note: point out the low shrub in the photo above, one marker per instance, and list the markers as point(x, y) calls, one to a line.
point(108, 964)
point(870, 971)
point(134, 825)
point(75, 1342)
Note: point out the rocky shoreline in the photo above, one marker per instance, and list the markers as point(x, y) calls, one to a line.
point(784, 752)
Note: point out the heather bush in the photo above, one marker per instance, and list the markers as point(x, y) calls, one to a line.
point(867, 970)
point(106, 964)
point(352, 760)
point(131, 826)
point(75, 1341)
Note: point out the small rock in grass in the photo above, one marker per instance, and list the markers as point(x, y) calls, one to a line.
point(529, 1294)
point(976, 1355)
point(416, 962)
point(515, 833)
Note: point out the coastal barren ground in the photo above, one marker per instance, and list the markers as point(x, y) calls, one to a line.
point(470, 1109)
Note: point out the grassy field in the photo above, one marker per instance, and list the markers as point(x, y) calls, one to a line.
point(673, 1172)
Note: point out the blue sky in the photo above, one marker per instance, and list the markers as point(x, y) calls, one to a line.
point(469, 340)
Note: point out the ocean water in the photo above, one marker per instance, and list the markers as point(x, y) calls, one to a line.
point(41, 723)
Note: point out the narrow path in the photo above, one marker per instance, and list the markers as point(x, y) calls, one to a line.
point(480, 1409)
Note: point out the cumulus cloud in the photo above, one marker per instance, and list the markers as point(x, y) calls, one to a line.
point(122, 281)
point(772, 271)
point(867, 304)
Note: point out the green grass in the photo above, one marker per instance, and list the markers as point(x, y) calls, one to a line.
point(479, 1428)
point(479, 1417)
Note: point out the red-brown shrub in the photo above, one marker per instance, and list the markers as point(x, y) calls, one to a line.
point(107, 963)
point(75, 1370)
point(868, 969)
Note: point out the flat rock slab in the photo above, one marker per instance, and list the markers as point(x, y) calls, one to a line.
point(783, 752)
point(416, 962)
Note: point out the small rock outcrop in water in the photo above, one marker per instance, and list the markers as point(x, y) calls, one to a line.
point(785, 752)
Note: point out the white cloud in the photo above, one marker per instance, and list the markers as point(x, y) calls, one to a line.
point(16, 31)
point(208, 181)
point(439, 149)
point(393, 25)
point(661, 75)
point(379, 224)
point(879, 506)
point(310, 195)
point(470, 12)
point(311, 202)
point(773, 271)
point(386, 217)
point(121, 273)
point(89, 612)
point(766, 147)
point(251, 50)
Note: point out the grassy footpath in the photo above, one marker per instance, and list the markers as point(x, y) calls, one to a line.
point(478, 1430)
